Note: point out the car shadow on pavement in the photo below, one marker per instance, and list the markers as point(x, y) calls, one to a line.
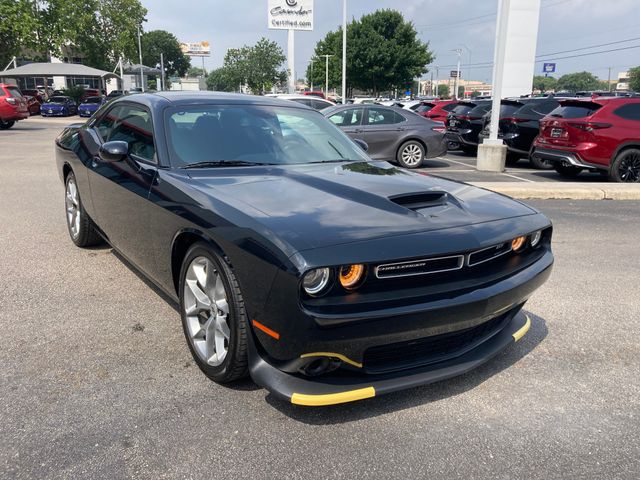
point(432, 163)
point(417, 396)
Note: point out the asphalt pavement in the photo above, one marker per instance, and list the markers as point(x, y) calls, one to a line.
point(96, 380)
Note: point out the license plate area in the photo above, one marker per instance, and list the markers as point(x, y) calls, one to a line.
point(556, 132)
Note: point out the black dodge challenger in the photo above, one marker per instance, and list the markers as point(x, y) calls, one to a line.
point(327, 276)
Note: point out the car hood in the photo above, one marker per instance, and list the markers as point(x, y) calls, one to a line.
point(318, 205)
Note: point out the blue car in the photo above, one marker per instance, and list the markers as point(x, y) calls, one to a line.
point(90, 105)
point(58, 106)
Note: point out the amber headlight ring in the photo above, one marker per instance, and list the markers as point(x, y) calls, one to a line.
point(352, 276)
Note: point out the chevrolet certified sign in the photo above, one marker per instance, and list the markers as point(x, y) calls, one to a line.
point(290, 14)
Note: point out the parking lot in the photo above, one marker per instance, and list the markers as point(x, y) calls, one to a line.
point(97, 380)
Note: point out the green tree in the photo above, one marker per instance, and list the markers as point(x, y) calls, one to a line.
point(219, 80)
point(195, 72)
point(544, 84)
point(443, 90)
point(383, 53)
point(156, 42)
point(634, 79)
point(265, 60)
point(75, 93)
point(574, 82)
point(20, 27)
point(461, 91)
point(475, 94)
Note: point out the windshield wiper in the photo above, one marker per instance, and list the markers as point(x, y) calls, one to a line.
point(225, 163)
point(339, 160)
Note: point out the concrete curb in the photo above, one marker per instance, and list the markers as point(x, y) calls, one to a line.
point(564, 191)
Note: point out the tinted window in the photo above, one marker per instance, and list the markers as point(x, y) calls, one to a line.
point(93, 100)
point(382, 116)
point(105, 125)
point(461, 109)
point(14, 92)
point(575, 110)
point(257, 134)
point(425, 107)
point(506, 110)
point(303, 101)
point(346, 118)
point(479, 111)
point(538, 108)
point(58, 100)
point(319, 104)
point(630, 111)
point(133, 125)
point(449, 107)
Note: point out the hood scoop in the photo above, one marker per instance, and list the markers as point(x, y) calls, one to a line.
point(419, 200)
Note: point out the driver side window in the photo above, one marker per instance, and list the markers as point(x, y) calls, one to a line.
point(130, 124)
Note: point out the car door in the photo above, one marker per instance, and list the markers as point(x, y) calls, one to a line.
point(120, 190)
point(383, 128)
point(350, 121)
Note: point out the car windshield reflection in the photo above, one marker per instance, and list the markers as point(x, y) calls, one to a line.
point(242, 135)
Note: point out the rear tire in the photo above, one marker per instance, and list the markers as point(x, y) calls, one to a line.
point(411, 154)
point(213, 314)
point(568, 171)
point(6, 125)
point(81, 228)
point(626, 166)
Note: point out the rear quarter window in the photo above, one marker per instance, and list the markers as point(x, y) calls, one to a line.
point(630, 111)
point(537, 108)
point(479, 110)
point(576, 110)
point(461, 109)
point(14, 92)
point(449, 108)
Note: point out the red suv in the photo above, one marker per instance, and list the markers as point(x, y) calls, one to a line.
point(13, 106)
point(436, 110)
point(600, 134)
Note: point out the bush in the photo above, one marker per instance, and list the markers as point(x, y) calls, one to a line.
point(75, 93)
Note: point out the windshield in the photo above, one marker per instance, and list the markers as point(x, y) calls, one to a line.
point(93, 100)
point(57, 100)
point(255, 134)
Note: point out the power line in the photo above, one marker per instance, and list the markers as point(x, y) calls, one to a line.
point(587, 48)
point(590, 53)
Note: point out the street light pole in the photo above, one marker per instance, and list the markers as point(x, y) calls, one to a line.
point(344, 52)
point(455, 93)
point(326, 72)
point(312, 74)
point(140, 54)
point(436, 80)
point(162, 85)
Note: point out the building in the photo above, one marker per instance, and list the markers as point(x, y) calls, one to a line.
point(57, 76)
point(623, 82)
point(470, 86)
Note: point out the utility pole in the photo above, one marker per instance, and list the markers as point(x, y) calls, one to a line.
point(344, 51)
point(455, 92)
point(312, 60)
point(436, 80)
point(140, 53)
point(291, 60)
point(326, 72)
point(609, 80)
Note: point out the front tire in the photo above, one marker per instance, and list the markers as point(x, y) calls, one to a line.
point(213, 314)
point(568, 171)
point(6, 125)
point(411, 154)
point(80, 226)
point(626, 167)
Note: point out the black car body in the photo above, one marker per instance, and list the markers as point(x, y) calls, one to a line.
point(519, 126)
point(391, 133)
point(464, 123)
point(441, 285)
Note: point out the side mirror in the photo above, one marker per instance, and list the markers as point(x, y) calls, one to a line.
point(113, 151)
point(362, 144)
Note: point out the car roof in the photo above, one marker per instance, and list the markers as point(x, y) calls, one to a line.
point(182, 98)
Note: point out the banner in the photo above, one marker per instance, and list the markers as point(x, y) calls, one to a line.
point(196, 49)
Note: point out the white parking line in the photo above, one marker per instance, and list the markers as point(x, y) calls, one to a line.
point(518, 178)
point(455, 161)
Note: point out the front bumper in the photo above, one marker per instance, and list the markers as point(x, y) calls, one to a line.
point(341, 389)
point(404, 347)
point(46, 112)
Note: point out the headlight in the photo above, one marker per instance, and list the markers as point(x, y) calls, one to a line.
point(350, 276)
point(315, 281)
point(518, 243)
point(535, 238)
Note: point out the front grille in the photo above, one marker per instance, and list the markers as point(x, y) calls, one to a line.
point(420, 267)
point(489, 253)
point(415, 353)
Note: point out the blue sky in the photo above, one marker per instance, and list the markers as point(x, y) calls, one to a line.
point(446, 24)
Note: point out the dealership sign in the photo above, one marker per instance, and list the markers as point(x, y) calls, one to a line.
point(549, 67)
point(196, 49)
point(290, 14)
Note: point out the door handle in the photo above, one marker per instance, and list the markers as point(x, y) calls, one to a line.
point(400, 129)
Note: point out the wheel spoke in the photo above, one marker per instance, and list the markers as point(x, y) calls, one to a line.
point(202, 302)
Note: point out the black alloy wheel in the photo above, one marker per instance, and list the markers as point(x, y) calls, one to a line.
point(626, 166)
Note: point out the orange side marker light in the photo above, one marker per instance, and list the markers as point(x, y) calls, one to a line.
point(266, 329)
